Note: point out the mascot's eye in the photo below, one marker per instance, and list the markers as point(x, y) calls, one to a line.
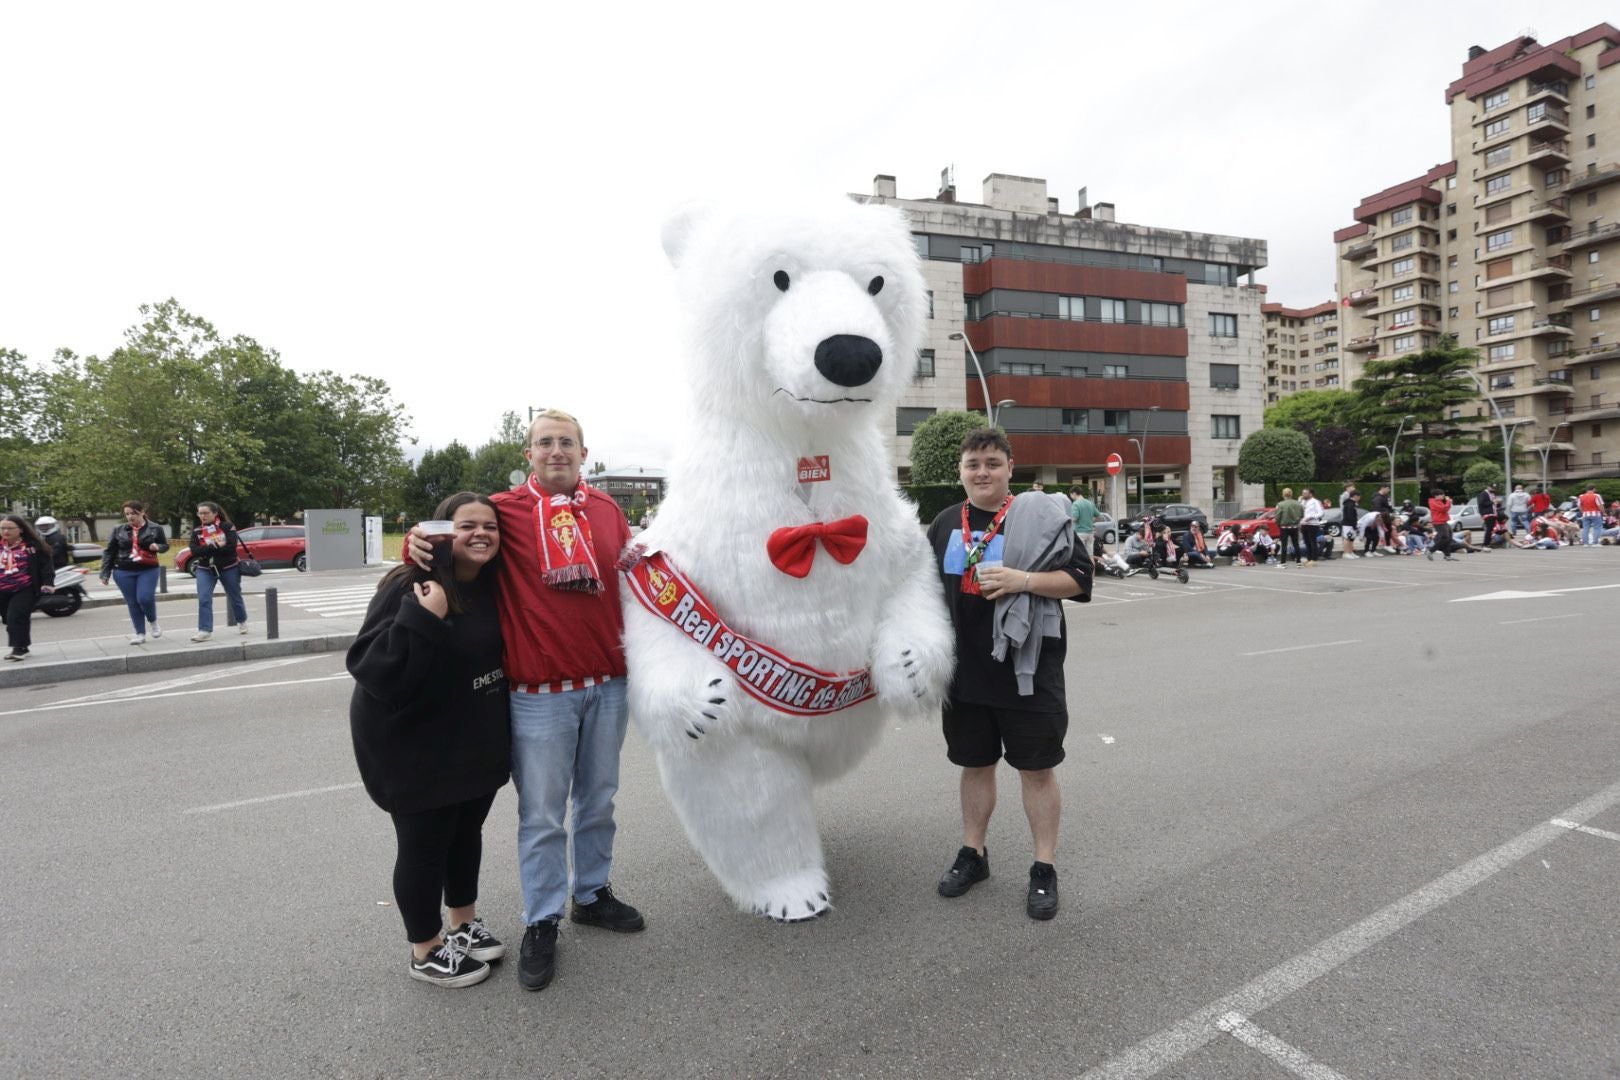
point(781, 280)
point(875, 286)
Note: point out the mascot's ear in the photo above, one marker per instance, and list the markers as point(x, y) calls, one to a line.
point(678, 229)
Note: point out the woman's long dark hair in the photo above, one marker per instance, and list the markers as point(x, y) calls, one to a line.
point(407, 573)
point(219, 514)
point(30, 535)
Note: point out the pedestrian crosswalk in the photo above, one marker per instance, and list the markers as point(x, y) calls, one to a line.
point(331, 603)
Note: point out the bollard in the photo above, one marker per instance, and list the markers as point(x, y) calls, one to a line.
point(163, 579)
point(272, 621)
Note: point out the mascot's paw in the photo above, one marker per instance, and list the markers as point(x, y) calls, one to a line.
point(793, 898)
point(710, 708)
point(906, 681)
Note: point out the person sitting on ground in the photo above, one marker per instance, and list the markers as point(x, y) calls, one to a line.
point(1228, 543)
point(1263, 546)
point(1193, 547)
point(1132, 553)
point(1370, 527)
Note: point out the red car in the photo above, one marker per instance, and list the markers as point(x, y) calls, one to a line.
point(272, 545)
point(1246, 522)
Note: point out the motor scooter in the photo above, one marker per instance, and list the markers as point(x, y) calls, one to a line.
point(69, 594)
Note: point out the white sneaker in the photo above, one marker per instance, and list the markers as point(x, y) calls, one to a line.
point(1351, 555)
point(241, 628)
point(157, 631)
point(202, 635)
point(137, 639)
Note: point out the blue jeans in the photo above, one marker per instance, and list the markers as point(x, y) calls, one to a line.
point(1519, 521)
point(140, 595)
point(565, 756)
point(1591, 528)
point(231, 578)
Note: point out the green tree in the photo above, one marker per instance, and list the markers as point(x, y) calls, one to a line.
point(22, 400)
point(1276, 456)
point(1427, 386)
point(491, 466)
point(1480, 473)
point(440, 474)
point(1317, 409)
point(936, 446)
point(1336, 450)
point(364, 429)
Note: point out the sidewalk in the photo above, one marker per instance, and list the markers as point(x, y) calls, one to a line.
point(95, 641)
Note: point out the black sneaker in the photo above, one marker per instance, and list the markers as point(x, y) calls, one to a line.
point(968, 870)
point(608, 912)
point(1043, 896)
point(449, 966)
point(537, 960)
point(477, 942)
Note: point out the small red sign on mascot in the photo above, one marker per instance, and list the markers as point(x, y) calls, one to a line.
point(1114, 464)
point(813, 470)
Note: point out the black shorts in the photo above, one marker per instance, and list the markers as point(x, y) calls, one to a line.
point(977, 735)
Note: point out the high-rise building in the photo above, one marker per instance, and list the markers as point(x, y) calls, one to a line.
point(1507, 246)
point(1302, 349)
point(1094, 337)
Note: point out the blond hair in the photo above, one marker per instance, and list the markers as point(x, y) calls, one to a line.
point(557, 414)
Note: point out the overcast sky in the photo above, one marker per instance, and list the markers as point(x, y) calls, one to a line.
point(466, 199)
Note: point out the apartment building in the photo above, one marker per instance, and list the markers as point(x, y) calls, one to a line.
point(1508, 246)
point(1302, 349)
point(1090, 337)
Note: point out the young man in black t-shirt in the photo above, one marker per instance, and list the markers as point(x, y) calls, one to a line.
point(985, 717)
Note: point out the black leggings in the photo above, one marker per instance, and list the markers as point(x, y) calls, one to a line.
point(439, 853)
point(1312, 535)
point(17, 608)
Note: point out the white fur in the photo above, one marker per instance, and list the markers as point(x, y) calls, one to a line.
point(742, 787)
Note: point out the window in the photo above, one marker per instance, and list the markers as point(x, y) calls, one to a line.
point(1499, 296)
point(1591, 140)
point(1402, 242)
point(1116, 421)
point(1597, 431)
point(970, 254)
point(1501, 382)
point(1222, 324)
point(1072, 307)
point(1402, 266)
point(1508, 407)
point(1451, 313)
point(1112, 310)
point(1591, 111)
point(1404, 317)
point(1161, 314)
point(1591, 198)
point(1498, 183)
point(906, 419)
point(1496, 101)
point(1499, 353)
point(1023, 369)
point(1501, 324)
point(1591, 82)
point(1225, 427)
point(1401, 216)
point(1553, 178)
point(1595, 314)
point(1496, 241)
point(1451, 263)
point(1223, 376)
point(1498, 127)
point(930, 303)
point(1501, 155)
point(1075, 421)
point(925, 363)
point(1404, 343)
point(1452, 287)
point(1592, 256)
point(971, 309)
point(1403, 292)
point(920, 242)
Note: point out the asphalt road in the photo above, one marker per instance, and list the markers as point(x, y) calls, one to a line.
point(1307, 832)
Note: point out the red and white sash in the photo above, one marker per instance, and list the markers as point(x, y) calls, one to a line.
point(771, 678)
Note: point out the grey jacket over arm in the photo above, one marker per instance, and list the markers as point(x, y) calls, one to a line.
point(1038, 535)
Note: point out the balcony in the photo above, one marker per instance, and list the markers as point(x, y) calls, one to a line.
point(1364, 343)
point(1592, 236)
point(1554, 266)
point(1550, 210)
point(1606, 173)
point(1554, 90)
point(1545, 118)
point(1362, 296)
point(1549, 151)
point(1592, 354)
point(1534, 388)
point(1594, 294)
point(1552, 325)
point(1361, 249)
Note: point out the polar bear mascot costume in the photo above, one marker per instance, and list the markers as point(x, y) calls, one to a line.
point(784, 600)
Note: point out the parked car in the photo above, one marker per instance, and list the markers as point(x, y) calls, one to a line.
point(1467, 516)
point(1176, 515)
point(86, 552)
point(1105, 529)
point(273, 545)
point(1246, 522)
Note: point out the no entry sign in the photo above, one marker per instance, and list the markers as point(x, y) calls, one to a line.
point(1114, 464)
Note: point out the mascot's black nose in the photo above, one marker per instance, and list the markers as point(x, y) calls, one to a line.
point(848, 360)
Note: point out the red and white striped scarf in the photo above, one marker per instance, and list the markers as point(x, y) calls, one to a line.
point(567, 557)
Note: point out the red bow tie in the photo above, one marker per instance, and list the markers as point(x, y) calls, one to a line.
point(793, 548)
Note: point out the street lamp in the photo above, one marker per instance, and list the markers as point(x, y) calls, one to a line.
point(984, 386)
point(1507, 452)
point(1141, 476)
point(1507, 455)
point(1390, 450)
point(1417, 469)
point(1147, 423)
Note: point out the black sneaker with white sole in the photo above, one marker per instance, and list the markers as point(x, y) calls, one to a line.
point(448, 966)
point(1043, 891)
point(474, 939)
point(608, 912)
point(968, 870)
point(537, 959)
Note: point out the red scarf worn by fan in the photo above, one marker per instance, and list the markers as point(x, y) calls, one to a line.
point(567, 559)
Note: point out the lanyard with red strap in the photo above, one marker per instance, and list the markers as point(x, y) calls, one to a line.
point(975, 552)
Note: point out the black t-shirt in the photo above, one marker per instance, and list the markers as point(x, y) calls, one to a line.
point(979, 678)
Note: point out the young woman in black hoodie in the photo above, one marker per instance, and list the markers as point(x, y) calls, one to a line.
point(25, 573)
point(432, 738)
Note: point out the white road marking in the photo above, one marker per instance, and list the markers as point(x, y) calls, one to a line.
point(1291, 1058)
point(1539, 618)
point(271, 798)
point(1297, 648)
point(1164, 1048)
point(1577, 827)
point(176, 693)
point(1109, 739)
point(1516, 594)
point(189, 680)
